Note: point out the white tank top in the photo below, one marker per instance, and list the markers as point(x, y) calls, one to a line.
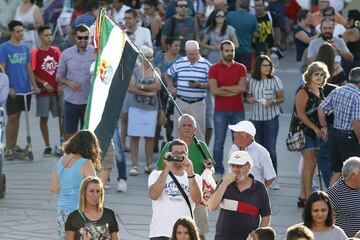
point(27, 18)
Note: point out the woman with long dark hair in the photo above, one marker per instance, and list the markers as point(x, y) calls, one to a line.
point(185, 229)
point(318, 216)
point(217, 32)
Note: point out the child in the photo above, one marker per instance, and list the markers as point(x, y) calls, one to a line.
point(264, 233)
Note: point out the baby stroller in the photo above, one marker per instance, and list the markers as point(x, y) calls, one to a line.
point(4, 91)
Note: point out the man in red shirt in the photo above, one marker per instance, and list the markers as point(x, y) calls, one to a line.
point(227, 81)
point(44, 62)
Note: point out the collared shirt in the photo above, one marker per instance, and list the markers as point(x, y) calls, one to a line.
point(344, 103)
point(262, 167)
point(186, 72)
point(228, 76)
point(74, 66)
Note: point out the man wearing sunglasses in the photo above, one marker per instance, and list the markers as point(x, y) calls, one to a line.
point(74, 73)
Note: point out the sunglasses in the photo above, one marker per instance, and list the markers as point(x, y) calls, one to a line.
point(182, 6)
point(266, 65)
point(82, 38)
point(319, 74)
point(220, 16)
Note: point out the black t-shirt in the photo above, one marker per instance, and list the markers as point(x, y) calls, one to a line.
point(100, 229)
point(300, 45)
point(266, 24)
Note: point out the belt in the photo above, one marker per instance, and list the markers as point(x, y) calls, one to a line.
point(344, 131)
point(191, 101)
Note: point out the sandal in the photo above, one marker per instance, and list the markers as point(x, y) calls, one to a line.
point(133, 171)
point(301, 203)
point(149, 169)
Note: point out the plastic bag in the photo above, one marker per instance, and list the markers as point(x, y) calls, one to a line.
point(209, 185)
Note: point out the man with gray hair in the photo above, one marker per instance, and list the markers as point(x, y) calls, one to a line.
point(344, 103)
point(192, 81)
point(345, 197)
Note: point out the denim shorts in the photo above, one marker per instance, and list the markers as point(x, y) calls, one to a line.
point(311, 143)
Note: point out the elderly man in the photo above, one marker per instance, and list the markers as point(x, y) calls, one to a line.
point(192, 81)
point(345, 197)
point(186, 130)
point(242, 200)
point(168, 202)
point(344, 103)
point(327, 35)
point(262, 169)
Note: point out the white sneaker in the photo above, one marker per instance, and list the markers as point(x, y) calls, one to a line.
point(107, 186)
point(122, 186)
point(133, 171)
point(275, 185)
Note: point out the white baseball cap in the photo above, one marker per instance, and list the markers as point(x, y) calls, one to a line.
point(240, 158)
point(244, 126)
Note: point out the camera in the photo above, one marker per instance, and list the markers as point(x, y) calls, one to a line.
point(171, 158)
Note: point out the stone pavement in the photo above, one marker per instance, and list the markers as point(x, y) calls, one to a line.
point(28, 210)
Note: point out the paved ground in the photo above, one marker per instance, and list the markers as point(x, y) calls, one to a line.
point(28, 210)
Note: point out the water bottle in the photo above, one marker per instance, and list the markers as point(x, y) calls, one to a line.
point(274, 57)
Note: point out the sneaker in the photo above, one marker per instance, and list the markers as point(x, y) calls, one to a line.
point(17, 148)
point(47, 152)
point(275, 185)
point(149, 169)
point(9, 153)
point(133, 171)
point(107, 186)
point(19, 153)
point(122, 186)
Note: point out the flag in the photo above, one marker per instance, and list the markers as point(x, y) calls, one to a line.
point(115, 62)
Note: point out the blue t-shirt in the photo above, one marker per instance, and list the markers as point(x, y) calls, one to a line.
point(245, 25)
point(16, 59)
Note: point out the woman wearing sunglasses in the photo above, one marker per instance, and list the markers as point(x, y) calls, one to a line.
point(217, 32)
point(307, 99)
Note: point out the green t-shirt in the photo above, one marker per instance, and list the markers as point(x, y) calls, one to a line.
point(194, 155)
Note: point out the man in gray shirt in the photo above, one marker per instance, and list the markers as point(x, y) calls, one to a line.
point(327, 30)
point(74, 73)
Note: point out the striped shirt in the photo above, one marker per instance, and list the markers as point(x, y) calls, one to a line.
point(75, 66)
point(265, 89)
point(344, 103)
point(186, 72)
point(346, 204)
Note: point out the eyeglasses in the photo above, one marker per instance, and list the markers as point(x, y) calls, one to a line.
point(82, 38)
point(220, 16)
point(266, 65)
point(319, 74)
point(182, 5)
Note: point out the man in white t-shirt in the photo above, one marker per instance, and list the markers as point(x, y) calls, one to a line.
point(143, 35)
point(262, 167)
point(117, 12)
point(168, 204)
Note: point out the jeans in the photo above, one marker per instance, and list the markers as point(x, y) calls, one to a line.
point(119, 154)
point(221, 123)
point(324, 158)
point(73, 114)
point(266, 135)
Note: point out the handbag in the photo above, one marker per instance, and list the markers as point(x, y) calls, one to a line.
point(295, 140)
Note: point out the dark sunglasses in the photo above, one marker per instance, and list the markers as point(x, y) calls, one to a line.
point(82, 38)
point(319, 74)
point(220, 16)
point(182, 6)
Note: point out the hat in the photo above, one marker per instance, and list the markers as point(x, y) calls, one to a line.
point(244, 126)
point(240, 158)
point(330, 11)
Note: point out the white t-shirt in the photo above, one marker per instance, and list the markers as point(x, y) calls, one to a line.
point(262, 168)
point(170, 205)
point(143, 36)
point(338, 5)
point(118, 16)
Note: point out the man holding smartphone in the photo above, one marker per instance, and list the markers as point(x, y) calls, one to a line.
point(168, 203)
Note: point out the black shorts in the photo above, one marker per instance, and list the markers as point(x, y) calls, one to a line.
point(17, 104)
point(344, 146)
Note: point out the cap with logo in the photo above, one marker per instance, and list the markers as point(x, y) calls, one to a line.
point(240, 158)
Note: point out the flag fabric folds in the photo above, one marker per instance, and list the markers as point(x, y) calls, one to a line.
point(115, 62)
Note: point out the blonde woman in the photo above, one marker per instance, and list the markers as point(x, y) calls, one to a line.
point(92, 220)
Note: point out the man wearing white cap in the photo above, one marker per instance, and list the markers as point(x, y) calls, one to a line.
point(242, 200)
point(262, 169)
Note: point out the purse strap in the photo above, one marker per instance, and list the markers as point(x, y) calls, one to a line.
point(83, 217)
point(182, 192)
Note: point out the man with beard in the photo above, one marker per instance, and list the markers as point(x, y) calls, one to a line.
point(227, 81)
point(242, 200)
point(168, 203)
point(327, 30)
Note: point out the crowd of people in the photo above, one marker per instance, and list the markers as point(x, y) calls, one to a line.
point(213, 57)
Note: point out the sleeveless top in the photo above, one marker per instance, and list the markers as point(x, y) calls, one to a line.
point(27, 18)
point(300, 45)
point(69, 181)
point(354, 48)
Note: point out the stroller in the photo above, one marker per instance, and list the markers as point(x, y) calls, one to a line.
point(4, 91)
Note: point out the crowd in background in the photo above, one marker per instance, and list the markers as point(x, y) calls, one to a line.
point(213, 56)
